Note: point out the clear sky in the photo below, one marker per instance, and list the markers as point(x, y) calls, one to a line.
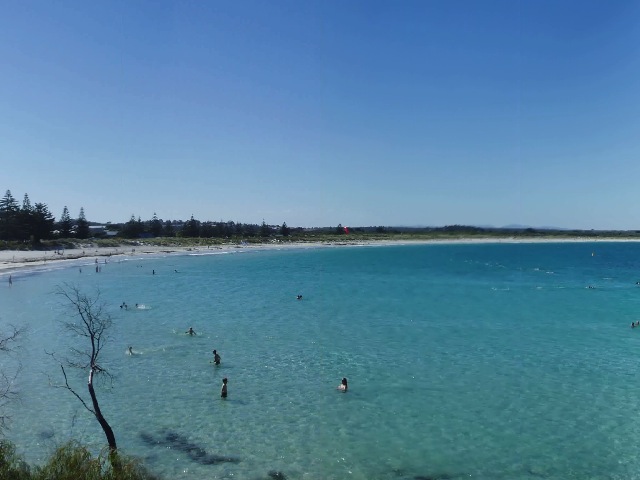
point(322, 112)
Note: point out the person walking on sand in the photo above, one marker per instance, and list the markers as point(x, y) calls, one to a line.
point(216, 357)
point(223, 392)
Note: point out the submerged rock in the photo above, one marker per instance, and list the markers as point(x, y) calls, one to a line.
point(443, 476)
point(47, 434)
point(148, 439)
point(275, 475)
point(435, 476)
point(181, 443)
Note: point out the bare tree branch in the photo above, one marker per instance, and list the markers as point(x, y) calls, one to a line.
point(92, 322)
point(68, 387)
point(8, 341)
point(8, 392)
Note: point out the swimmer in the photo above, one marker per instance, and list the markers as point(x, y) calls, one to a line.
point(191, 331)
point(343, 385)
point(223, 392)
point(216, 358)
point(299, 297)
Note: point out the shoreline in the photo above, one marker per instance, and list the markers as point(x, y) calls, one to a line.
point(16, 260)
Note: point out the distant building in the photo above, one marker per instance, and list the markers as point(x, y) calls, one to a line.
point(101, 231)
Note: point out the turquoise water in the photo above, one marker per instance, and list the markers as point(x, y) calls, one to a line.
point(464, 361)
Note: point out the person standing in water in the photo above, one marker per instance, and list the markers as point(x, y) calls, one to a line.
point(223, 392)
point(191, 331)
point(343, 386)
point(10, 280)
point(216, 358)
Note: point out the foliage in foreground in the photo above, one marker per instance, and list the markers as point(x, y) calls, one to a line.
point(71, 461)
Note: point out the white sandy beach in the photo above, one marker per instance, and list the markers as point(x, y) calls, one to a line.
point(13, 260)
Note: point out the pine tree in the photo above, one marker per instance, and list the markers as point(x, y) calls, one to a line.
point(131, 228)
point(24, 220)
point(265, 231)
point(8, 217)
point(140, 227)
point(43, 223)
point(284, 230)
point(156, 226)
point(82, 230)
point(208, 229)
point(168, 230)
point(26, 203)
point(65, 224)
point(191, 228)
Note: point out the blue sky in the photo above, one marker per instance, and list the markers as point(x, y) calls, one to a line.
point(316, 113)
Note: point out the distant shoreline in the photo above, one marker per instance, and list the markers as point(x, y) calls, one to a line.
point(15, 260)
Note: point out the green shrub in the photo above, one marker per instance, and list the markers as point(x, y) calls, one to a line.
point(125, 468)
point(12, 467)
point(72, 461)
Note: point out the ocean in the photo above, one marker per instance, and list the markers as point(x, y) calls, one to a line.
point(481, 361)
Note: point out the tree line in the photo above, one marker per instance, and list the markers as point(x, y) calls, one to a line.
point(193, 228)
point(34, 223)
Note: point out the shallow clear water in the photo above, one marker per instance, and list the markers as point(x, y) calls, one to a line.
point(466, 361)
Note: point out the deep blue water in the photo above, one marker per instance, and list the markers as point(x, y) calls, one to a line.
point(490, 361)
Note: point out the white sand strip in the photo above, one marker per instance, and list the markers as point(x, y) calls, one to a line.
point(12, 260)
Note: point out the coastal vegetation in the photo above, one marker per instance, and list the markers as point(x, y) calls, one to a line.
point(30, 226)
point(71, 461)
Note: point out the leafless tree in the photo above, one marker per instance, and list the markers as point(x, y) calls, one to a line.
point(92, 322)
point(9, 337)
